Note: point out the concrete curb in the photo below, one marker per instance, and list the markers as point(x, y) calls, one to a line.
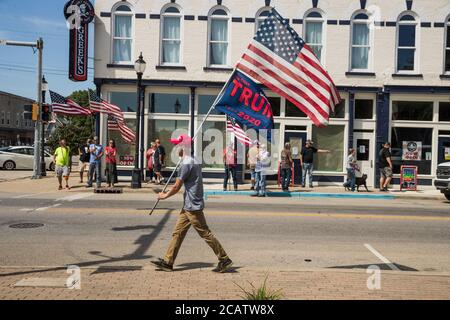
point(303, 195)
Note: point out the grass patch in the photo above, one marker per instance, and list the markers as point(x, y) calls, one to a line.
point(261, 293)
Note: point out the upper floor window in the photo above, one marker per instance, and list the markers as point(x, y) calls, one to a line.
point(218, 37)
point(261, 16)
point(122, 34)
point(407, 52)
point(447, 46)
point(313, 32)
point(171, 36)
point(360, 43)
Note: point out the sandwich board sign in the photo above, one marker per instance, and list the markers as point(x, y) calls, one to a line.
point(408, 178)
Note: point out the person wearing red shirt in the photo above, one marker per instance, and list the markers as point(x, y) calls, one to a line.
point(111, 168)
point(229, 159)
point(149, 156)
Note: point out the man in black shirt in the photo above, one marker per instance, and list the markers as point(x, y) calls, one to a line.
point(158, 160)
point(307, 160)
point(385, 166)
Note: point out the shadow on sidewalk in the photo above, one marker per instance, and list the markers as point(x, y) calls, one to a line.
point(144, 242)
point(382, 266)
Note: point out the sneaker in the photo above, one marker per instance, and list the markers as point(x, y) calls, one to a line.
point(162, 265)
point(89, 186)
point(223, 266)
point(252, 188)
point(261, 195)
point(60, 188)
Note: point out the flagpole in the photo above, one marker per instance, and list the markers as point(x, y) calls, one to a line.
point(195, 136)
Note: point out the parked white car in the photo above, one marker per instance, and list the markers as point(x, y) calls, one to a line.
point(442, 181)
point(21, 157)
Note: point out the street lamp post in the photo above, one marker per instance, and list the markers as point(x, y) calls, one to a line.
point(43, 165)
point(139, 67)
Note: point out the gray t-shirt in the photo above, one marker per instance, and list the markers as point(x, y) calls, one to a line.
point(190, 173)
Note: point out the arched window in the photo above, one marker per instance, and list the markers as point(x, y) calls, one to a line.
point(407, 51)
point(122, 34)
point(314, 33)
point(261, 16)
point(360, 42)
point(447, 46)
point(171, 35)
point(218, 37)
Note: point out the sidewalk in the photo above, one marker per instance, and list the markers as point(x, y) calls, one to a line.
point(192, 282)
point(49, 184)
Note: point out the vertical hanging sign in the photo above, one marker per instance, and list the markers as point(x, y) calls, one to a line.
point(78, 14)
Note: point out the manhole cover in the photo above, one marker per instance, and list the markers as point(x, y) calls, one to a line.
point(26, 225)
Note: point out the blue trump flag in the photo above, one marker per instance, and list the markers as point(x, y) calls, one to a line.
point(243, 100)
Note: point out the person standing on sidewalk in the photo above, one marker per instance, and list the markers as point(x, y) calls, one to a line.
point(149, 156)
point(307, 162)
point(352, 167)
point(252, 156)
point(190, 175)
point(385, 160)
point(229, 160)
point(61, 158)
point(84, 158)
point(262, 162)
point(111, 168)
point(286, 166)
point(95, 161)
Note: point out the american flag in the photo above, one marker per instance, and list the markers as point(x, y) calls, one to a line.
point(239, 133)
point(127, 134)
point(67, 106)
point(99, 105)
point(281, 60)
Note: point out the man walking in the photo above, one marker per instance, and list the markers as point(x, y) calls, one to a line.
point(385, 161)
point(229, 159)
point(286, 166)
point(307, 161)
point(96, 151)
point(61, 158)
point(158, 161)
point(190, 175)
point(84, 158)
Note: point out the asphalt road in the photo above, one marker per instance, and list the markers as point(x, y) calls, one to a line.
point(86, 229)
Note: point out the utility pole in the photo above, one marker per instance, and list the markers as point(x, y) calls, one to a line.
point(39, 45)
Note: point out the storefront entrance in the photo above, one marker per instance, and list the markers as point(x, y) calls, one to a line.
point(363, 144)
point(444, 149)
point(297, 140)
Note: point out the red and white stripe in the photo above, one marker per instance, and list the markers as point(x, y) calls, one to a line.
point(239, 133)
point(112, 109)
point(126, 133)
point(70, 108)
point(305, 83)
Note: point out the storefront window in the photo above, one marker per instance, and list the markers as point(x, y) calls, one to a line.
point(204, 104)
point(363, 109)
point(164, 130)
point(125, 100)
point(444, 111)
point(275, 103)
point(213, 143)
point(125, 151)
point(169, 103)
point(339, 110)
point(412, 110)
point(424, 138)
point(293, 111)
point(329, 138)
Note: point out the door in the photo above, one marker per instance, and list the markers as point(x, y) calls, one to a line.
point(363, 144)
point(297, 140)
point(444, 149)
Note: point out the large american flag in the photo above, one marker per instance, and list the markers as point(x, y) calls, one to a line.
point(99, 105)
point(67, 106)
point(127, 134)
point(281, 60)
point(239, 133)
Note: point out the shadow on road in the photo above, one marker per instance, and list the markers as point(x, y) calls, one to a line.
point(144, 242)
point(382, 266)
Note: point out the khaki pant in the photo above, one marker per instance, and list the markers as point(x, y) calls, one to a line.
point(184, 222)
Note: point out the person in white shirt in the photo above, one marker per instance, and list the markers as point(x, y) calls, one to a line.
point(262, 162)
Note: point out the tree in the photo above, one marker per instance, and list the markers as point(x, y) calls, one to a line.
point(75, 129)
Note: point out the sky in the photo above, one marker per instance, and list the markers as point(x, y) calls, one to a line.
point(27, 20)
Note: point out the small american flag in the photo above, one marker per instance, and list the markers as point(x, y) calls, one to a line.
point(67, 106)
point(280, 59)
point(99, 105)
point(239, 133)
point(127, 134)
